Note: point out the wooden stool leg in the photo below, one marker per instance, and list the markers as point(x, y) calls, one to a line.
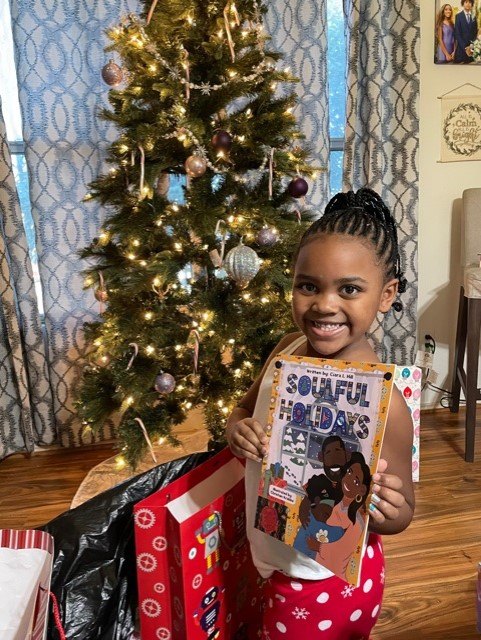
point(474, 327)
point(460, 347)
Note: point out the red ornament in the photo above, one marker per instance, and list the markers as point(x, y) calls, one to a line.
point(297, 187)
point(221, 140)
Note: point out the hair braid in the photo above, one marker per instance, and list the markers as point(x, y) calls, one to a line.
point(363, 214)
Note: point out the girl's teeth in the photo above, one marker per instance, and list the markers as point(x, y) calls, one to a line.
point(323, 325)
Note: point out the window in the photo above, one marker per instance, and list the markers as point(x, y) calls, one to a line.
point(336, 68)
point(11, 113)
point(13, 124)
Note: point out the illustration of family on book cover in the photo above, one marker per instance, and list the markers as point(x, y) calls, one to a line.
point(325, 429)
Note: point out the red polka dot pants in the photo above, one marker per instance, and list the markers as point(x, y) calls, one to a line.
point(325, 609)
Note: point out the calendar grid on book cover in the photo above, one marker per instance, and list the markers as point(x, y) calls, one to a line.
point(320, 409)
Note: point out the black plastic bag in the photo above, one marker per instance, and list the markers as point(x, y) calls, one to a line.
point(94, 570)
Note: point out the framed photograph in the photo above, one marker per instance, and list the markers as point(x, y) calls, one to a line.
point(457, 32)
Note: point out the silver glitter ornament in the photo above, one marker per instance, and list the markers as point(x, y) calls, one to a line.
point(266, 237)
point(164, 383)
point(195, 166)
point(242, 263)
point(112, 74)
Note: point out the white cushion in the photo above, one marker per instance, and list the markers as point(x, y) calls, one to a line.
point(472, 282)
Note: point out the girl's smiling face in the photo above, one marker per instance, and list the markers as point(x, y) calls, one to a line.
point(448, 11)
point(338, 289)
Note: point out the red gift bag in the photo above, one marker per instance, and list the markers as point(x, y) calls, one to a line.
point(195, 575)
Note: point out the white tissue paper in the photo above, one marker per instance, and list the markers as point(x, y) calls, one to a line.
point(25, 572)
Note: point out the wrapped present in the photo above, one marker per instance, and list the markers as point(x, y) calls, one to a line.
point(277, 470)
point(279, 482)
point(196, 579)
point(409, 380)
point(25, 572)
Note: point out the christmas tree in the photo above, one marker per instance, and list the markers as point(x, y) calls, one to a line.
point(194, 290)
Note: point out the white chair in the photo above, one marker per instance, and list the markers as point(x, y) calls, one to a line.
point(469, 319)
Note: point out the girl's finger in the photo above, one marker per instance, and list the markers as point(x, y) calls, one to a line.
point(387, 509)
point(387, 480)
point(259, 431)
point(246, 444)
point(257, 428)
point(389, 495)
point(377, 515)
point(381, 466)
point(251, 436)
point(243, 453)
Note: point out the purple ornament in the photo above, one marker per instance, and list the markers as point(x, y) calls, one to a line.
point(221, 140)
point(266, 237)
point(164, 383)
point(297, 187)
point(112, 74)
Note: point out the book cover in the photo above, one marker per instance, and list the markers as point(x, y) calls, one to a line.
point(325, 429)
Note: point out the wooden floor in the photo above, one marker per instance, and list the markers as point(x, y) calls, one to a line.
point(431, 568)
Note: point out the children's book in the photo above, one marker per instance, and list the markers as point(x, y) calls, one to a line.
point(326, 425)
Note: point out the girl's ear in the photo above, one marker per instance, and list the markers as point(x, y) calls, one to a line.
point(388, 294)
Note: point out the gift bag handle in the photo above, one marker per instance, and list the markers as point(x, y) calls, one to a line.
point(56, 617)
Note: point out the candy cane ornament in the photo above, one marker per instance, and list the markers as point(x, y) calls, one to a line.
point(147, 439)
point(136, 351)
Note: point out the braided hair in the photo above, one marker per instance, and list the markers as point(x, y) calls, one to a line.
point(363, 214)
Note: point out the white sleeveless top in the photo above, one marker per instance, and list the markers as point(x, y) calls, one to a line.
point(269, 554)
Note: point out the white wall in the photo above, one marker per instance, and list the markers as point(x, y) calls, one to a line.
point(440, 189)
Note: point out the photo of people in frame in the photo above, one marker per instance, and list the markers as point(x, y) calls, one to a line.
point(457, 26)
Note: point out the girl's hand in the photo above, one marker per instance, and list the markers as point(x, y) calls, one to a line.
point(247, 439)
point(386, 499)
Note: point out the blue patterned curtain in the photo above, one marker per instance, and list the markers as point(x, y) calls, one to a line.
point(26, 410)
point(382, 138)
point(59, 56)
point(298, 29)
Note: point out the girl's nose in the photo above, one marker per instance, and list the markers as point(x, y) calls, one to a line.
point(324, 303)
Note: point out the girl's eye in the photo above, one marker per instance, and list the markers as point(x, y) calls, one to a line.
point(306, 287)
point(356, 482)
point(350, 290)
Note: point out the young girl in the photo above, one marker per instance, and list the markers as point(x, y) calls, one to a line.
point(445, 34)
point(347, 268)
